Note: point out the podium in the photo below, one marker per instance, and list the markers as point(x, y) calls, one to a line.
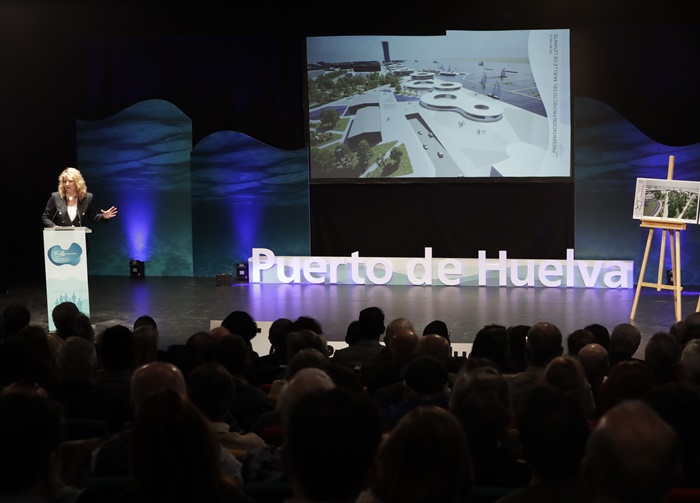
point(65, 262)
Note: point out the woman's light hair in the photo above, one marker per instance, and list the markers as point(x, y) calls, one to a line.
point(72, 174)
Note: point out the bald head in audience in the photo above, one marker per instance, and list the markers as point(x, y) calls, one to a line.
point(436, 345)
point(632, 456)
point(394, 326)
point(154, 377)
point(403, 344)
point(304, 381)
point(594, 359)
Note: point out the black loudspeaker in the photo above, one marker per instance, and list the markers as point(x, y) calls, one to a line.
point(242, 271)
point(137, 268)
point(223, 279)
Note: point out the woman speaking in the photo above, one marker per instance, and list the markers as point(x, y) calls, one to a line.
point(72, 204)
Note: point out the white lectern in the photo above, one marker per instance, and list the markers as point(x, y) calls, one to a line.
point(65, 259)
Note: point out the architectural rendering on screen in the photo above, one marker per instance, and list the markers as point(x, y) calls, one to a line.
point(466, 104)
point(666, 200)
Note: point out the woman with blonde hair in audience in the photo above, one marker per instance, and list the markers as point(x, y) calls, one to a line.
point(425, 459)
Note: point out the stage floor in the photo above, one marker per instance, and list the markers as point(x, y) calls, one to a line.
point(184, 305)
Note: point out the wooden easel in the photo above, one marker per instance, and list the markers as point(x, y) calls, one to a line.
point(672, 229)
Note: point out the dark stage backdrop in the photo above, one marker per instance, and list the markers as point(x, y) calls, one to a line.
point(63, 70)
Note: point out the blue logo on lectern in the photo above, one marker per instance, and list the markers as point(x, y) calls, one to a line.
point(70, 256)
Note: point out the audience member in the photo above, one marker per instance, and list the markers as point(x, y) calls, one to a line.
point(424, 383)
point(596, 364)
point(480, 400)
point(352, 333)
point(16, 316)
point(692, 326)
point(662, 354)
point(271, 366)
point(212, 389)
point(566, 374)
point(632, 456)
point(76, 363)
point(264, 464)
point(689, 367)
point(83, 328)
point(544, 342)
point(242, 323)
point(553, 435)
point(627, 380)
point(402, 349)
point(601, 334)
point(191, 470)
point(65, 316)
point(331, 439)
point(145, 320)
point(30, 436)
point(624, 342)
point(183, 356)
point(250, 401)
point(304, 358)
point(145, 344)
point(439, 347)
point(16, 356)
point(383, 358)
point(112, 456)
point(515, 353)
point(577, 339)
point(680, 408)
point(438, 327)
point(491, 342)
point(305, 338)
point(371, 327)
point(115, 352)
point(425, 459)
point(42, 369)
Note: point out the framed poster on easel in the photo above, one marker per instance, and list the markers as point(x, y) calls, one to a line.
point(668, 205)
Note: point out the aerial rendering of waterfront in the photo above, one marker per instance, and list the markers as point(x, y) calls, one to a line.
point(500, 109)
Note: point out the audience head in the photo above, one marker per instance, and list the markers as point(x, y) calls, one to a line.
point(601, 334)
point(305, 381)
point(662, 354)
point(595, 361)
point(65, 316)
point(241, 323)
point(627, 380)
point(277, 336)
point(352, 334)
point(632, 455)
point(232, 352)
point(306, 358)
point(331, 439)
point(371, 323)
point(145, 344)
point(689, 368)
point(203, 341)
point(517, 340)
point(577, 339)
point(152, 378)
point(192, 470)
point(544, 342)
point(296, 341)
point(438, 327)
point(692, 326)
point(115, 348)
point(394, 326)
point(491, 342)
point(211, 388)
point(145, 320)
point(76, 360)
point(437, 346)
point(16, 316)
point(425, 378)
point(83, 327)
point(307, 323)
point(30, 435)
point(480, 400)
point(624, 341)
point(553, 433)
point(402, 345)
point(16, 356)
point(425, 459)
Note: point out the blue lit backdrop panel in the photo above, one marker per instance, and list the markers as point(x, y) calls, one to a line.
point(139, 161)
point(610, 154)
point(246, 194)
